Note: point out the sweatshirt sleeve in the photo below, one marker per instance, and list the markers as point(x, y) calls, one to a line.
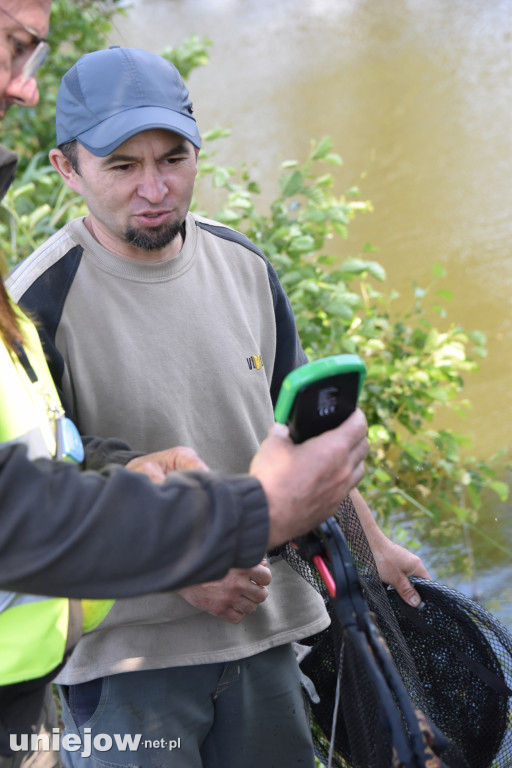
point(289, 352)
point(82, 534)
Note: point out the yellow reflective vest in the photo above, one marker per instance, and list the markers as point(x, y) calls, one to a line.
point(36, 633)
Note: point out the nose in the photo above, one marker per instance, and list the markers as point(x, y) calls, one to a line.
point(152, 186)
point(22, 92)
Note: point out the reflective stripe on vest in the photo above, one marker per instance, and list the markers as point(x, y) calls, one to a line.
point(35, 632)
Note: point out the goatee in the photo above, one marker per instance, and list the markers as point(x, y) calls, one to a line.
point(153, 239)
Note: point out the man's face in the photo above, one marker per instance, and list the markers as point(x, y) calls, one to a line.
point(139, 195)
point(16, 45)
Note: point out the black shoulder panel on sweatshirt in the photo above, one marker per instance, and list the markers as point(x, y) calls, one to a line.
point(237, 237)
point(230, 234)
point(44, 302)
point(289, 353)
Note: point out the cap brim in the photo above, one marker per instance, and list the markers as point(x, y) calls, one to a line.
point(114, 131)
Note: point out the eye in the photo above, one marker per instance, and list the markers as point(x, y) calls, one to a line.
point(20, 49)
point(173, 159)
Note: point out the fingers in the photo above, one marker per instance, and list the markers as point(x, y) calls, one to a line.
point(250, 587)
point(243, 604)
point(420, 571)
point(161, 463)
point(252, 596)
point(395, 565)
point(233, 597)
point(407, 591)
point(305, 483)
point(260, 575)
point(147, 467)
point(187, 458)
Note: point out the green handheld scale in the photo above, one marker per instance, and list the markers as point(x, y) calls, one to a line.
point(320, 395)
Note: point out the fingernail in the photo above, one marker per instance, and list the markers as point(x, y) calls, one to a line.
point(280, 430)
point(415, 600)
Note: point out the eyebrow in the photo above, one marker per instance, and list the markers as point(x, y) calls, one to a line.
point(30, 30)
point(119, 157)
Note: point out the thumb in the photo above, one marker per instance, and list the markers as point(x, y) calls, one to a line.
point(279, 430)
point(407, 592)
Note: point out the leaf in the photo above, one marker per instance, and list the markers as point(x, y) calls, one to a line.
point(378, 432)
point(461, 512)
point(478, 337)
point(291, 184)
point(220, 177)
point(325, 180)
point(438, 271)
point(439, 394)
point(355, 266)
point(334, 159)
point(376, 270)
point(339, 308)
point(323, 148)
point(216, 133)
point(382, 476)
point(501, 489)
point(302, 244)
point(241, 202)
point(444, 293)
point(227, 216)
point(416, 452)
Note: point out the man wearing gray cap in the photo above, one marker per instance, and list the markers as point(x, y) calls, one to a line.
point(166, 328)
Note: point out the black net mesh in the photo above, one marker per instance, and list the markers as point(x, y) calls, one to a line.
point(462, 651)
point(454, 658)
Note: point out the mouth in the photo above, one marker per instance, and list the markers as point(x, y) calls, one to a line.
point(152, 218)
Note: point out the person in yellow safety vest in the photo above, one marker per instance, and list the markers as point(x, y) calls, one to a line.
point(36, 633)
point(65, 533)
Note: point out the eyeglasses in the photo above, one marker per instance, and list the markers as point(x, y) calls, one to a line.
point(39, 53)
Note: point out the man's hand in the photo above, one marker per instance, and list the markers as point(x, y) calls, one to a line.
point(237, 594)
point(305, 483)
point(394, 563)
point(158, 465)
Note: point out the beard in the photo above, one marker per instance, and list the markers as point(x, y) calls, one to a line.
point(155, 238)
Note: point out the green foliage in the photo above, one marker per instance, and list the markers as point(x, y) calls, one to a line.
point(415, 370)
point(193, 53)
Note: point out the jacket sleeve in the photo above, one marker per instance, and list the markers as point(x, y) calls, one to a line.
point(83, 534)
point(100, 452)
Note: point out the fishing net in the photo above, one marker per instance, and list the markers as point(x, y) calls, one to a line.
point(455, 666)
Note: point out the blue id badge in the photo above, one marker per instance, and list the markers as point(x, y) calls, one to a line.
point(69, 443)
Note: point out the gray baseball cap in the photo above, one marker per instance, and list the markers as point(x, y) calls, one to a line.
point(111, 95)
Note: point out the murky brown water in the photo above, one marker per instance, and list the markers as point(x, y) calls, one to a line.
point(417, 95)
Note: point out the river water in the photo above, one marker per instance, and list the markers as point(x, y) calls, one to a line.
point(416, 95)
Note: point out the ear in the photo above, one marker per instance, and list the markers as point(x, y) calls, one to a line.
point(65, 169)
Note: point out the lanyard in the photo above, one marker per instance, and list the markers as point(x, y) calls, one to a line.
point(68, 443)
point(25, 362)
